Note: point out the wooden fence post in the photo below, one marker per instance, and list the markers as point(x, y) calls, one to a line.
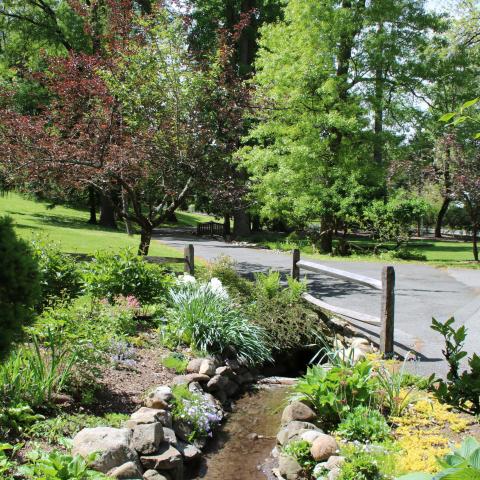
point(189, 259)
point(295, 268)
point(387, 315)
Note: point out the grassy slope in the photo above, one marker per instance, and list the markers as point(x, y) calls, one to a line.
point(442, 253)
point(69, 228)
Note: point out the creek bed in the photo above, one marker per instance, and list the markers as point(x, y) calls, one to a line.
point(243, 444)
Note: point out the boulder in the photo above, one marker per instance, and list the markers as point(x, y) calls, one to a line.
point(182, 429)
point(169, 436)
point(154, 475)
point(231, 388)
point(147, 437)
point(189, 452)
point(334, 474)
point(323, 447)
point(189, 378)
point(298, 411)
point(111, 444)
point(309, 435)
point(335, 461)
point(129, 470)
point(288, 467)
point(217, 382)
point(194, 365)
point(225, 371)
point(233, 364)
point(159, 398)
point(167, 458)
point(208, 367)
point(244, 378)
point(149, 415)
point(294, 429)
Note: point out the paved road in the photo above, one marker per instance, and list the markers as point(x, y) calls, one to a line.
point(422, 292)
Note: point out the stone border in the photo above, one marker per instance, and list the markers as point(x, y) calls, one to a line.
point(152, 445)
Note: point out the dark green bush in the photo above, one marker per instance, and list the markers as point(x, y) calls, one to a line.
point(365, 425)
point(60, 276)
point(361, 466)
point(126, 273)
point(19, 285)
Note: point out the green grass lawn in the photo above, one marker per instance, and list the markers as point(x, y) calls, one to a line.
point(437, 252)
point(69, 228)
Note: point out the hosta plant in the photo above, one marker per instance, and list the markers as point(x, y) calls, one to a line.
point(462, 464)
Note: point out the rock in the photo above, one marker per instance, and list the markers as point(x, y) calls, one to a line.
point(225, 371)
point(294, 429)
point(208, 367)
point(154, 475)
point(111, 444)
point(167, 458)
point(335, 461)
point(221, 396)
point(149, 415)
point(333, 474)
point(244, 378)
point(323, 447)
point(147, 437)
point(231, 388)
point(182, 429)
point(298, 411)
point(194, 365)
point(189, 378)
point(217, 382)
point(288, 467)
point(309, 435)
point(159, 398)
point(355, 354)
point(129, 470)
point(169, 436)
point(189, 452)
point(358, 341)
point(233, 364)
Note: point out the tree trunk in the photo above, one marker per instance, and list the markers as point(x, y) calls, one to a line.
point(475, 242)
point(241, 223)
point(326, 241)
point(92, 206)
point(441, 216)
point(128, 225)
point(107, 212)
point(145, 239)
point(226, 225)
point(256, 223)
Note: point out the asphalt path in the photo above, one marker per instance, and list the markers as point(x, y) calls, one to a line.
point(421, 292)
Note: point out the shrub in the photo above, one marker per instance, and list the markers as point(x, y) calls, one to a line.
point(16, 419)
point(60, 277)
point(460, 389)
point(365, 425)
point(127, 274)
point(196, 411)
point(405, 253)
point(334, 392)
point(300, 451)
point(19, 286)
point(175, 361)
point(361, 466)
point(204, 317)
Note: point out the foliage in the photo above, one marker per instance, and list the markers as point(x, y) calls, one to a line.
point(7, 466)
point(462, 464)
point(15, 420)
point(404, 253)
point(300, 451)
point(59, 466)
point(109, 275)
point(336, 391)
point(365, 425)
point(460, 389)
point(360, 466)
point(175, 361)
point(33, 373)
point(223, 268)
point(203, 316)
point(60, 277)
point(196, 410)
point(19, 286)
point(55, 429)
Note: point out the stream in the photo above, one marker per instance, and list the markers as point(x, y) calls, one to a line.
point(243, 444)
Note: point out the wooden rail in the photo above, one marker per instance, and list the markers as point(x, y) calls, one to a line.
point(386, 285)
point(188, 259)
point(210, 228)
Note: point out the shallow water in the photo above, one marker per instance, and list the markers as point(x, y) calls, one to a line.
point(247, 437)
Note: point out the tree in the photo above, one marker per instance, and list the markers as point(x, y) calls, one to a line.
point(136, 123)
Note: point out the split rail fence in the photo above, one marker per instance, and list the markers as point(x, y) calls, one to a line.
point(386, 285)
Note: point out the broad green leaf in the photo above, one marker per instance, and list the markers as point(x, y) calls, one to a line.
point(469, 445)
point(459, 120)
point(447, 116)
point(470, 103)
point(474, 460)
point(416, 476)
point(477, 136)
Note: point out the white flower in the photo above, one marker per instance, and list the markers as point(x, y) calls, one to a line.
point(215, 285)
point(186, 279)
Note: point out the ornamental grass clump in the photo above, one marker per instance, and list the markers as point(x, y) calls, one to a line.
point(204, 317)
